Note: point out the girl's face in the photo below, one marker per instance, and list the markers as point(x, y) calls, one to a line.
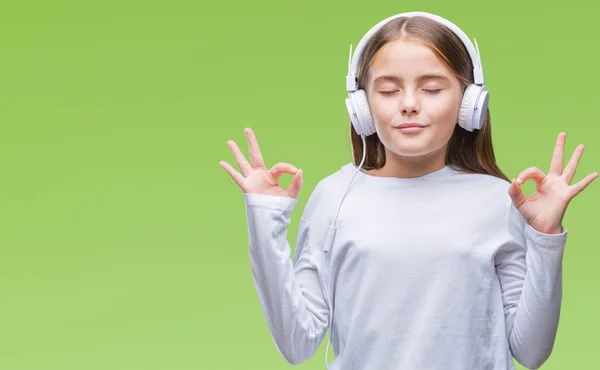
point(409, 84)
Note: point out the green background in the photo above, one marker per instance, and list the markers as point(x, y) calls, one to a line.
point(123, 243)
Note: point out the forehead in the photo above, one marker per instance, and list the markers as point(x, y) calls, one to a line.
point(407, 59)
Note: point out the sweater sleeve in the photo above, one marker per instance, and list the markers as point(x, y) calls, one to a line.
point(289, 290)
point(530, 274)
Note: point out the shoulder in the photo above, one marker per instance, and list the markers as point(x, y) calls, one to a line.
point(490, 202)
point(484, 187)
point(495, 200)
point(486, 194)
point(333, 182)
point(327, 191)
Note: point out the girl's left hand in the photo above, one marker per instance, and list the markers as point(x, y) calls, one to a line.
point(545, 208)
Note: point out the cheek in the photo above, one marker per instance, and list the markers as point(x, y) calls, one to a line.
point(445, 111)
point(383, 110)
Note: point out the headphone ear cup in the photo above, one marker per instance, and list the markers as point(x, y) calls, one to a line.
point(473, 108)
point(465, 114)
point(480, 109)
point(360, 113)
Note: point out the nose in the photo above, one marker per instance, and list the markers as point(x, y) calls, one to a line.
point(409, 103)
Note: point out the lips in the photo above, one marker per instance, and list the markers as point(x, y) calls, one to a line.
point(409, 125)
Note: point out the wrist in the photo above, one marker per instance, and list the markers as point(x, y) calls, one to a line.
point(549, 229)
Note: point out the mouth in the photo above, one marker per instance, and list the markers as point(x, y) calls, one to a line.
point(410, 128)
point(409, 125)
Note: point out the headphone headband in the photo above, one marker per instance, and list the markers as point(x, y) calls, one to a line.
point(351, 79)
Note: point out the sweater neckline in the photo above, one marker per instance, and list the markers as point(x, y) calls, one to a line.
point(351, 169)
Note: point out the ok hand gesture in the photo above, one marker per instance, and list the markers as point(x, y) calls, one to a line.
point(255, 178)
point(545, 208)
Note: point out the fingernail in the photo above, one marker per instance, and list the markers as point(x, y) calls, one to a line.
point(519, 180)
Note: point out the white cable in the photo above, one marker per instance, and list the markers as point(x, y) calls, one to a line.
point(323, 282)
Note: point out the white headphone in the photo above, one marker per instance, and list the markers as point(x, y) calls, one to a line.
point(475, 100)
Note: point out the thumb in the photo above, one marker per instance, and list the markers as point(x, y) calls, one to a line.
point(296, 185)
point(516, 194)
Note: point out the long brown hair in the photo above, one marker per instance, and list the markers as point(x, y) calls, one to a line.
point(467, 151)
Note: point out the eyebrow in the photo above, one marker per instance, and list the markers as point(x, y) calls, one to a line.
point(429, 76)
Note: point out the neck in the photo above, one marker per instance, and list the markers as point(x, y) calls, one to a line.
point(411, 166)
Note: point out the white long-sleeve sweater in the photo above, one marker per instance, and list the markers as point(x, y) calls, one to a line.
point(435, 272)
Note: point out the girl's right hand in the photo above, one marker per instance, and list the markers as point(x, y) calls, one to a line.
point(256, 178)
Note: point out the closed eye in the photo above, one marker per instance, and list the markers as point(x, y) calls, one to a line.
point(393, 92)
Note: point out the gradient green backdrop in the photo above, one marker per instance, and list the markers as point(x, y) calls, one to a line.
point(123, 244)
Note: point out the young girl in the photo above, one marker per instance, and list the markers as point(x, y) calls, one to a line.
point(436, 260)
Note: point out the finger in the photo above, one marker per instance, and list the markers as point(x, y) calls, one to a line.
point(255, 156)
point(569, 171)
point(578, 187)
point(557, 156)
point(281, 168)
point(239, 158)
point(236, 176)
point(516, 194)
point(296, 185)
point(532, 173)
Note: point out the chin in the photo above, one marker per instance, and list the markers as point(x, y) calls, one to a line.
point(409, 147)
point(411, 152)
